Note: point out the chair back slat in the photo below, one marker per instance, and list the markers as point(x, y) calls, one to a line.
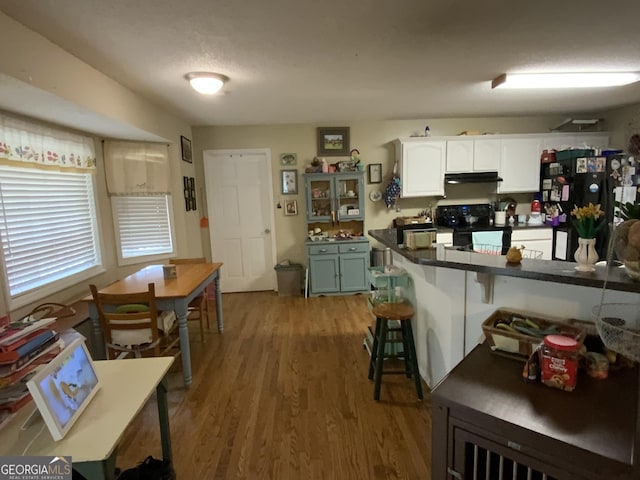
point(112, 321)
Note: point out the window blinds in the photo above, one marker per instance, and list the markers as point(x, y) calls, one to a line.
point(143, 225)
point(48, 226)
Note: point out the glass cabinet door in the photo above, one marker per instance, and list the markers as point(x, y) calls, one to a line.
point(320, 192)
point(349, 197)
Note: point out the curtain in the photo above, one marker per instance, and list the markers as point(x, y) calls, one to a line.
point(27, 144)
point(135, 168)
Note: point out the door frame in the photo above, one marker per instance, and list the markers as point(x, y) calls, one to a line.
point(272, 216)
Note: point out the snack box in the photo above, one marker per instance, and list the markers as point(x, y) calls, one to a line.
point(518, 342)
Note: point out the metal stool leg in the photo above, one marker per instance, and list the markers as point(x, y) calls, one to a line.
point(379, 359)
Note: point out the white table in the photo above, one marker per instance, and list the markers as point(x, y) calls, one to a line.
point(126, 386)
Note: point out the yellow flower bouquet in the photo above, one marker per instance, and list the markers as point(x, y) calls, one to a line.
point(588, 220)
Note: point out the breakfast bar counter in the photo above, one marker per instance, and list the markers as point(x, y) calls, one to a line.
point(453, 292)
point(545, 270)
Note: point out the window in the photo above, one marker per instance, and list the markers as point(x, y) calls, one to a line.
point(48, 230)
point(144, 227)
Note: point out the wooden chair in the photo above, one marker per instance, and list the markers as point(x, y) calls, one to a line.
point(130, 324)
point(198, 307)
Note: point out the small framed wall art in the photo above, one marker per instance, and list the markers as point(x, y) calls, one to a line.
point(288, 159)
point(290, 207)
point(185, 144)
point(333, 141)
point(289, 181)
point(375, 173)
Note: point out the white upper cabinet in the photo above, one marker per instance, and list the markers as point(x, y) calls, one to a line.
point(460, 155)
point(486, 154)
point(421, 165)
point(473, 155)
point(520, 164)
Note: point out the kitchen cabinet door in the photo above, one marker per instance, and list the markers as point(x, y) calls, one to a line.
point(320, 192)
point(353, 272)
point(486, 154)
point(520, 165)
point(421, 166)
point(349, 196)
point(540, 239)
point(324, 271)
point(460, 156)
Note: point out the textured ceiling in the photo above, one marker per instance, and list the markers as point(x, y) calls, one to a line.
point(297, 61)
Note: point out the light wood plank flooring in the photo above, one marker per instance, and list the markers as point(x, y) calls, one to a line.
point(283, 394)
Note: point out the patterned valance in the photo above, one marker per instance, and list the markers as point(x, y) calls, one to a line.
point(135, 168)
point(24, 143)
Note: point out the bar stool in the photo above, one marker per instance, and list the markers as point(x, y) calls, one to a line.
point(403, 313)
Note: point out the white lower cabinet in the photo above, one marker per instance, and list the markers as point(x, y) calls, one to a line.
point(539, 239)
point(445, 238)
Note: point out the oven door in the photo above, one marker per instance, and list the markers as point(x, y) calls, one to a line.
point(468, 238)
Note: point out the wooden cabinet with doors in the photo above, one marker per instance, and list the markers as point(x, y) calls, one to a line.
point(338, 267)
point(335, 206)
point(488, 423)
point(334, 197)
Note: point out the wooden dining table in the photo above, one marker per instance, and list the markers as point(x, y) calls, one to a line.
point(171, 294)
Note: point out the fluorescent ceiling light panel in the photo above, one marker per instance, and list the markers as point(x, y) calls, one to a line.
point(564, 80)
point(205, 82)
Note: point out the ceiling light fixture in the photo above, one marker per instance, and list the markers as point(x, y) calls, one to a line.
point(206, 83)
point(564, 80)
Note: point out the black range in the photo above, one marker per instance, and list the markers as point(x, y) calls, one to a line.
point(466, 219)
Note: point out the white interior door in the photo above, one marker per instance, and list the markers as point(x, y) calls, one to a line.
point(239, 199)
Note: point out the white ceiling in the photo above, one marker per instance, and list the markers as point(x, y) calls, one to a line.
point(301, 61)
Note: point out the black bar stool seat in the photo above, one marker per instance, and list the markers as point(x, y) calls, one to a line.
point(403, 313)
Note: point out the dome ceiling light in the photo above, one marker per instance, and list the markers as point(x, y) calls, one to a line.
point(206, 83)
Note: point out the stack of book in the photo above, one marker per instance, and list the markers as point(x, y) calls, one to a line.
point(24, 346)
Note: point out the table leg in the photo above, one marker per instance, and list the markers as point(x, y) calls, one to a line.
point(163, 416)
point(185, 350)
point(98, 339)
point(216, 282)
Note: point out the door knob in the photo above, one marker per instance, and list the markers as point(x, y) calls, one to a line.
point(267, 231)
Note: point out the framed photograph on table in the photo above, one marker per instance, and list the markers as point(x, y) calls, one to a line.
point(289, 181)
point(333, 141)
point(375, 173)
point(185, 144)
point(290, 207)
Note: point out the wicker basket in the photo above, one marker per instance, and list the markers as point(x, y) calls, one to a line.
point(519, 344)
point(497, 250)
point(618, 325)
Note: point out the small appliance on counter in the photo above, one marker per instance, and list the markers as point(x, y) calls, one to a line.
point(404, 224)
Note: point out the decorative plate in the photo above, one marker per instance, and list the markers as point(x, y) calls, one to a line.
point(375, 195)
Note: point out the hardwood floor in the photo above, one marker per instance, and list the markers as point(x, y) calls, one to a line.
point(283, 394)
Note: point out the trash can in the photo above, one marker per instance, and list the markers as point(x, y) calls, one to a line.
point(377, 257)
point(289, 278)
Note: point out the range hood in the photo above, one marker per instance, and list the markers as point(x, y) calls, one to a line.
point(472, 177)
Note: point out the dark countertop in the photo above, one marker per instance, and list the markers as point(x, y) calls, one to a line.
point(544, 270)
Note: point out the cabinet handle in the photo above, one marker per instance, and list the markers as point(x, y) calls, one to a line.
point(353, 249)
point(323, 250)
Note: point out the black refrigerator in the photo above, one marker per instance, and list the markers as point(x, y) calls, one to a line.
point(574, 179)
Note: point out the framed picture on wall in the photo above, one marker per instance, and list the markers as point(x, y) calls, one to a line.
point(333, 141)
point(290, 207)
point(375, 173)
point(289, 179)
point(185, 144)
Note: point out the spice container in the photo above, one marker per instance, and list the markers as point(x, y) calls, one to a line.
point(559, 362)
